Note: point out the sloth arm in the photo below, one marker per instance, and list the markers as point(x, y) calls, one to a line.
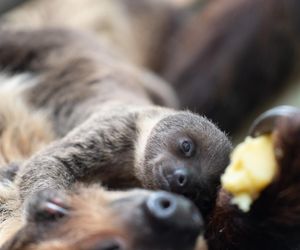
point(101, 149)
point(91, 101)
point(274, 219)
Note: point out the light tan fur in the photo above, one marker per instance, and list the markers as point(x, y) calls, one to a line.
point(10, 219)
point(22, 130)
point(145, 125)
point(91, 214)
point(94, 215)
point(22, 133)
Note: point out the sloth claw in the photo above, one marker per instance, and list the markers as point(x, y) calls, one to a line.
point(266, 122)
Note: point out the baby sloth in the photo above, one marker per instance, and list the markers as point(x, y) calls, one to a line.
point(108, 120)
point(90, 218)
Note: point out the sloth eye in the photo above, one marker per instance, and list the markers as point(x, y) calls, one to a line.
point(47, 206)
point(49, 211)
point(187, 147)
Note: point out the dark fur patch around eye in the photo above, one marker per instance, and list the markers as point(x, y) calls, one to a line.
point(187, 147)
point(47, 206)
point(49, 211)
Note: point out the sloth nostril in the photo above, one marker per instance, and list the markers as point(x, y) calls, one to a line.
point(181, 180)
point(178, 179)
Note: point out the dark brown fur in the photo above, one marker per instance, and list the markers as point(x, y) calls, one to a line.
point(92, 218)
point(231, 56)
point(274, 219)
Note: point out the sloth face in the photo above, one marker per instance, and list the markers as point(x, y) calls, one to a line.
point(94, 219)
point(186, 154)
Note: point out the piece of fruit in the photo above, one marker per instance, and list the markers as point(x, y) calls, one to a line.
point(253, 167)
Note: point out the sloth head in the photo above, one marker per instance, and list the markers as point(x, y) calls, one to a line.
point(186, 154)
point(95, 219)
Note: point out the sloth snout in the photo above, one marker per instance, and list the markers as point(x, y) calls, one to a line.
point(178, 179)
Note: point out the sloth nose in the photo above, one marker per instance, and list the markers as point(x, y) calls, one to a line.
point(178, 180)
point(181, 177)
point(173, 211)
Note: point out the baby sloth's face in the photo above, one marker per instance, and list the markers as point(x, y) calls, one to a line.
point(186, 154)
point(95, 219)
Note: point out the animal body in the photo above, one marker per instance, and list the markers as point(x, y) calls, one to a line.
point(120, 137)
point(273, 220)
point(87, 218)
point(107, 122)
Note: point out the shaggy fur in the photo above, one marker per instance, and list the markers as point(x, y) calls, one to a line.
point(93, 218)
point(274, 219)
point(220, 56)
point(22, 131)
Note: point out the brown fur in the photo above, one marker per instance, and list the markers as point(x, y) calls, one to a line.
point(274, 219)
point(95, 217)
point(219, 55)
point(109, 119)
point(230, 56)
point(100, 106)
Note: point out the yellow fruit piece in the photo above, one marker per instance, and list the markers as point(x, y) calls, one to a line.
point(252, 168)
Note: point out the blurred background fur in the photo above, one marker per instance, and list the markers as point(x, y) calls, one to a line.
point(226, 59)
